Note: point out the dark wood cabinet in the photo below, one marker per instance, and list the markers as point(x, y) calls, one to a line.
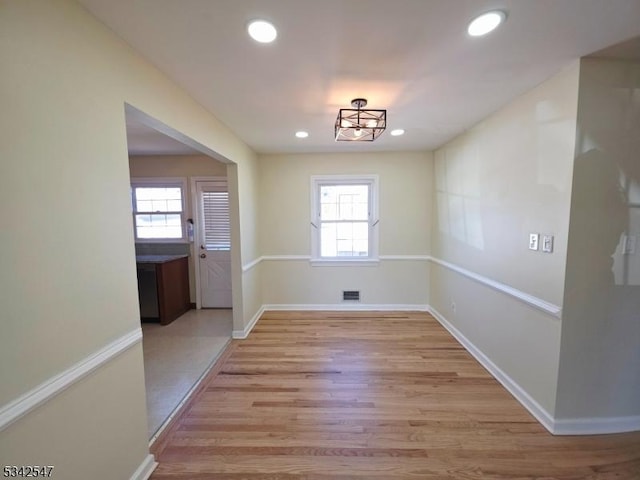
point(163, 287)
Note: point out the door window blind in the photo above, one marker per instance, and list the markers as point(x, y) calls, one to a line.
point(217, 230)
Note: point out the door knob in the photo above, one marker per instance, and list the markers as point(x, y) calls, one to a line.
point(203, 255)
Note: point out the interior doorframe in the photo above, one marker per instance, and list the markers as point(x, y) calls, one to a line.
point(197, 229)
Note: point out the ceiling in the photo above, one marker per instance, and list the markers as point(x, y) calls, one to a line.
point(412, 57)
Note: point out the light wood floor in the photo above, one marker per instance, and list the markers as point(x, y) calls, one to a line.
point(338, 396)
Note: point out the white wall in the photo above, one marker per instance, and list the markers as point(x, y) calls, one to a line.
point(67, 276)
point(506, 177)
point(405, 189)
point(600, 351)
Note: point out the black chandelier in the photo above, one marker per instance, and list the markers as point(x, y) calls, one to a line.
point(358, 125)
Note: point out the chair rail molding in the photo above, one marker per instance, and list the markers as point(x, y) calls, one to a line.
point(55, 385)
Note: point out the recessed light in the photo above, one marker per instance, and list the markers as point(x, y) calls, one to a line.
point(397, 132)
point(262, 31)
point(302, 134)
point(485, 23)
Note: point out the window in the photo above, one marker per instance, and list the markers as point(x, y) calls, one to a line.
point(344, 218)
point(158, 209)
point(215, 212)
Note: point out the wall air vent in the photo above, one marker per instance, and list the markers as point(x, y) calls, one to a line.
point(353, 295)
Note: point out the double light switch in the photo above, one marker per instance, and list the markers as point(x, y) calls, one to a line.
point(547, 242)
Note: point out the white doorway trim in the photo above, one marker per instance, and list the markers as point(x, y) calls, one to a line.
point(197, 229)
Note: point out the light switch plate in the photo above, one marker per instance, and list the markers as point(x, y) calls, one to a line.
point(533, 241)
point(547, 243)
point(629, 244)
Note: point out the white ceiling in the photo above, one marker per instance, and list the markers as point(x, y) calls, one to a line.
point(412, 57)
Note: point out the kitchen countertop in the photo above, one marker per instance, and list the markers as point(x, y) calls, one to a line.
point(158, 258)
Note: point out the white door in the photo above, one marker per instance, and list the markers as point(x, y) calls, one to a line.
point(214, 244)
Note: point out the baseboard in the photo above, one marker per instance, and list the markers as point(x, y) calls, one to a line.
point(242, 334)
point(334, 307)
point(596, 426)
point(507, 382)
point(27, 402)
point(348, 306)
point(145, 469)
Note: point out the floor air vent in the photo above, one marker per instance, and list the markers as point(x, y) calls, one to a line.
point(351, 295)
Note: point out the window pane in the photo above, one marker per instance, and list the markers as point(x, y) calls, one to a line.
point(344, 239)
point(143, 205)
point(174, 205)
point(158, 199)
point(345, 248)
point(173, 220)
point(328, 240)
point(360, 247)
point(143, 220)
point(344, 202)
point(345, 231)
point(159, 206)
point(173, 193)
point(329, 211)
point(361, 231)
point(158, 226)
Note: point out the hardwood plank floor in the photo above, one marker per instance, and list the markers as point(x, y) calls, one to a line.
point(333, 395)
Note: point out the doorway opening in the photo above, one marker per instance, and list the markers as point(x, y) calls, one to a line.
point(178, 354)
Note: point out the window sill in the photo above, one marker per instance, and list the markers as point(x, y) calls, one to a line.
point(350, 262)
point(162, 240)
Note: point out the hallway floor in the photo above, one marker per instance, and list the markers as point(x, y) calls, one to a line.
point(176, 355)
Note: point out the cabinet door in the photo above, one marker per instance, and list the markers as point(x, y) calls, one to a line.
point(173, 289)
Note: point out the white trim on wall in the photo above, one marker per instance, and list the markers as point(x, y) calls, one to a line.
point(549, 308)
point(242, 334)
point(270, 258)
point(347, 306)
point(420, 258)
point(44, 392)
point(571, 426)
point(334, 307)
point(146, 468)
point(596, 426)
point(539, 412)
point(531, 300)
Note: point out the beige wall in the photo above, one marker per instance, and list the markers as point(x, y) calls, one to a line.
point(506, 177)
point(600, 354)
point(182, 166)
point(249, 201)
point(176, 166)
point(68, 279)
point(84, 431)
point(405, 189)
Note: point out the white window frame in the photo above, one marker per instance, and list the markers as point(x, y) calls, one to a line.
point(160, 182)
point(318, 181)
